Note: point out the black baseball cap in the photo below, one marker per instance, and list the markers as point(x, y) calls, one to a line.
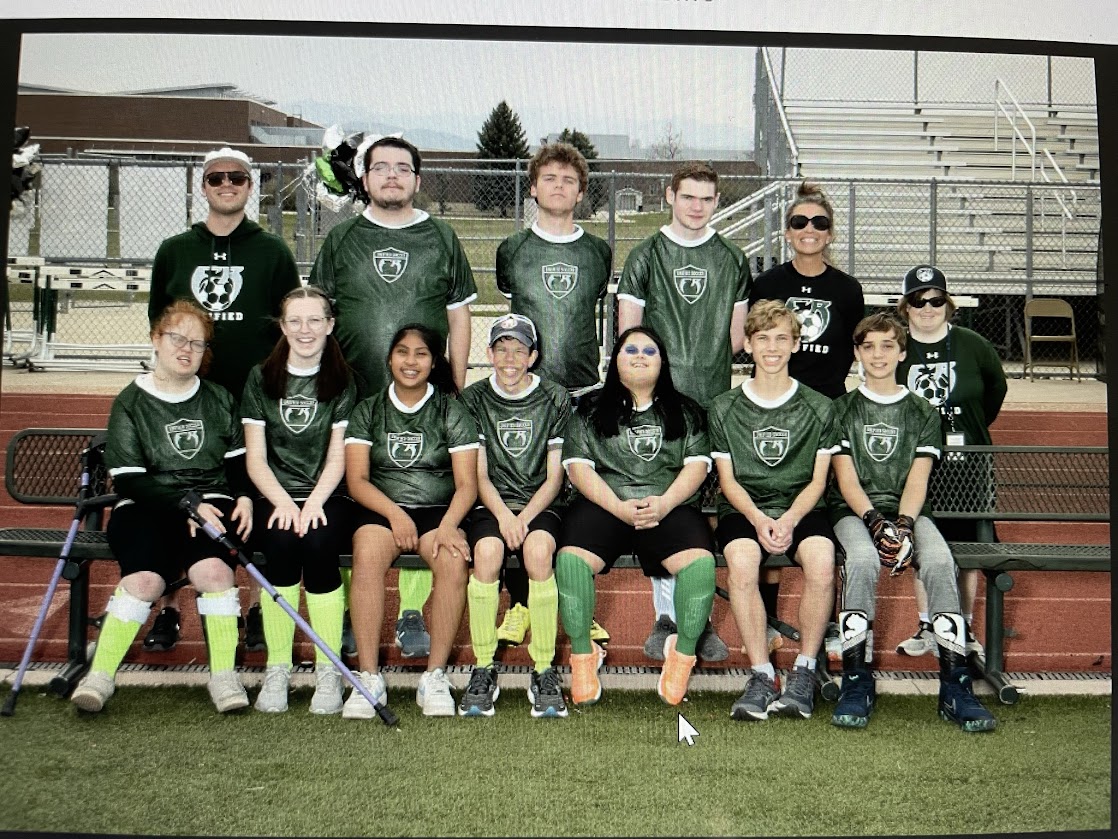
point(923, 277)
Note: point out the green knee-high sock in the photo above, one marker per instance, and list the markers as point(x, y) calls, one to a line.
point(122, 622)
point(576, 599)
point(347, 575)
point(326, 612)
point(279, 629)
point(543, 612)
point(219, 611)
point(415, 587)
point(694, 596)
point(483, 599)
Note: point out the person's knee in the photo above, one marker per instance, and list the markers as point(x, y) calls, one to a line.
point(538, 554)
point(210, 575)
point(489, 556)
point(144, 585)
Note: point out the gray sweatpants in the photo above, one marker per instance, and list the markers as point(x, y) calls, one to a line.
point(935, 567)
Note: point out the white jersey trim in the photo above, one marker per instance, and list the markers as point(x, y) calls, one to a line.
point(688, 243)
point(128, 470)
point(358, 441)
point(557, 240)
point(929, 450)
point(250, 421)
point(340, 424)
point(835, 449)
point(747, 389)
point(420, 217)
point(465, 448)
point(699, 458)
point(303, 371)
point(555, 443)
point(504, 394)
point(146, 383)
point(235, 452)
point(414, 409)
point(883, 400)
point(631, 299)
point(721, 455)
point(450, 307)
point(567, 463)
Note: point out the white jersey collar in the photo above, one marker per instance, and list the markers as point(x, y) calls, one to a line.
point(688, 243)
point(747, 389)
point(414, 409)
point(557, 240)
point(303, 371)
point(883, 400)
point(420, 216)
point(146, 383)
point(504, 394)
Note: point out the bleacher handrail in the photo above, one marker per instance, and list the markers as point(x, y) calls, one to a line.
point(793, 149)
point(999, 86)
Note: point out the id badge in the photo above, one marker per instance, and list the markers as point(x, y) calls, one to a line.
point(956, 440)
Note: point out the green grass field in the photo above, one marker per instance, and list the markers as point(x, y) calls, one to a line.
point(161, 761)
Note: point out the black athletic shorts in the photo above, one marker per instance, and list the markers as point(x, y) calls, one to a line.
point(145, 538)
point(426, 518)
point(482, 523)
point(590, 527)
point(736, 526)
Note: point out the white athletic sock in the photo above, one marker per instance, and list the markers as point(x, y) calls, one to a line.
point(663, 593)
point(766, 668)
point(923, 616)
point(804, 661)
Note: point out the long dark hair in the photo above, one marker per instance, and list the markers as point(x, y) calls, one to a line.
point(613, 404)
point(442, 376)
point(333, 372)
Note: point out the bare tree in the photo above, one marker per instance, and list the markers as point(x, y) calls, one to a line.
point(669, 147)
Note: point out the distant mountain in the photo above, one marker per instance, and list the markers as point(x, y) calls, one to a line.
point(358, 119)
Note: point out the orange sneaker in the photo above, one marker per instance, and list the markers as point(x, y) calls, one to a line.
point(586, 687)
point(675, 673)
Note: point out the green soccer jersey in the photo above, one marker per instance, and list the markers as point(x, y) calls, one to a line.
point(772, 443)
point(410, 448)
point(161, 444)
point(297, 428)
point(883, 435)
point(381, 278)
point(639, 461)
point(688, 291)
point(517, 432)
point(557, 281)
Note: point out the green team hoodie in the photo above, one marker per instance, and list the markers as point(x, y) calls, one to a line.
point(239, 279)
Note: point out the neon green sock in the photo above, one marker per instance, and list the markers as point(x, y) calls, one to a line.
point(543, 611)
point(483, 599)
point(694, 597)
point(415, 587)
point(326, 612)
point(116, 636)
point(347, 576)
point(575, 581)
point(219, 611)
point(279, 629)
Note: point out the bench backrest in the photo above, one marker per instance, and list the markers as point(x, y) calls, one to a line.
point(44, 465)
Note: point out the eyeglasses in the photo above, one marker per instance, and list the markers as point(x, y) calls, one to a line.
point(633, 349)
point(181, 341)
point(401, 169)
point(235, 178)
point(799, 222)
point(934, 302)
point(313, 324)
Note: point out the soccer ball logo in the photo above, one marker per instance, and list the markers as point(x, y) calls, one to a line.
point(932, 382)
point(814, 316)
point(215, 288)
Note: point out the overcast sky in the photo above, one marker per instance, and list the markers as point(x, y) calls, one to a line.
point(450, 86)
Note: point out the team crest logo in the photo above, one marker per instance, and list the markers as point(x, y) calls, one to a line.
point(186, 436)
point(925, 274)
point(813, 315)
point(645, 441)
point(298, 412)
point(771, 444)
point(404, 448)
point(690, 282)
point(560, 279)
point(390, 263)
point(880, 441)
point(515, 435)
point(216, 287)
point(933, 382)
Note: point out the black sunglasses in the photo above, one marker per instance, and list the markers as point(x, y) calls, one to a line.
point(235, 178)
point(798, 222)
point(934, 302)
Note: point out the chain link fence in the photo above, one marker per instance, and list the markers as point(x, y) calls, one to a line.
point(1000, 243)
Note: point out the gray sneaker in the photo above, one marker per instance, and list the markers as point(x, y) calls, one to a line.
point(797, 699)
point(921, 643)
point(411, 635)
point(753, 704)
point(545, 692)
point(480, 694)
point(327, 698)
point(272, 698)
point(227, 692)
point(710, 647)
point(434, 695)
point(93, 691)
point(654, 644)
point(357, 707)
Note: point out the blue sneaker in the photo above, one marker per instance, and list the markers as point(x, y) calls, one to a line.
point(855, 702)
point(957, 703)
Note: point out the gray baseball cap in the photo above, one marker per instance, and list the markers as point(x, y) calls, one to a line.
point(514, 326)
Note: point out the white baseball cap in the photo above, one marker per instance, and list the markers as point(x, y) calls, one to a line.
point(224, 155)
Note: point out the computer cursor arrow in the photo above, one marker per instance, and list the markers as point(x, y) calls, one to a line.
point(686, 731)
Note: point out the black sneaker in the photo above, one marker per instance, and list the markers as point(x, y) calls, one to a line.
point(164, 634)
point(654, 644)
point(254, 629)
point(480, 694)
point(411, 635)
point(545, 692)
point(349, 643)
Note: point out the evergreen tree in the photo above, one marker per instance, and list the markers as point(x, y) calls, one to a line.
point(596, 190)
point(501, 138)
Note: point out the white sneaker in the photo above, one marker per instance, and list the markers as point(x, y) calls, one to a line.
point(434, 695)
point(327, 697)
point(272, 698)
point(921, 643)
point(93, 691)
point(227, 692)
point(357, 707)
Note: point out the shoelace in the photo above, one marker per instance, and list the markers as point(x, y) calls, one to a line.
point(275, 679)
point(549, 682)
point(479, 681)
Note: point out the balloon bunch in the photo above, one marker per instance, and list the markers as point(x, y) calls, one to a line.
point(336, 167)
point(25, 166)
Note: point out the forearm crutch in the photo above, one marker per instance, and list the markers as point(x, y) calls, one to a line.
point(83, 503)
point(189, 504)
